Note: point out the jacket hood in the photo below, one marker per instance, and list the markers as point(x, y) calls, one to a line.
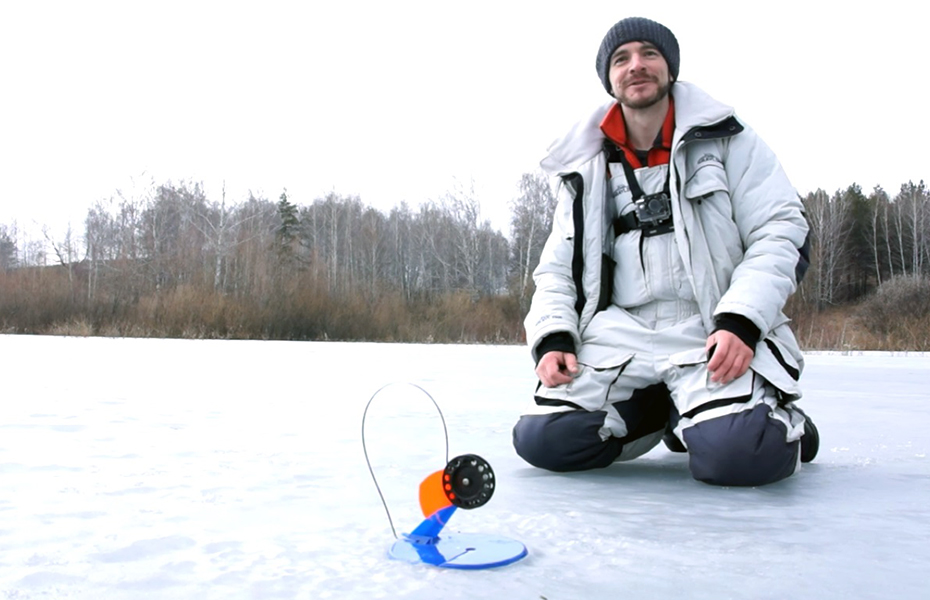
point(584, 141)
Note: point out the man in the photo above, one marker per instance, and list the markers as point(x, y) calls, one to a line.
point(658, 314)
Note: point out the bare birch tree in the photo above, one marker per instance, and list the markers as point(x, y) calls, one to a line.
point(829, 225)
point(530, 223)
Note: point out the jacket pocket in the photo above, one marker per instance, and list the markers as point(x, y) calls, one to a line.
point(697, 393)
point(589, 390)
point(688, 358)
point(708, 179)
point(708, 191)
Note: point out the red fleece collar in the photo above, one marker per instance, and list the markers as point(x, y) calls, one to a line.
point(614, 127)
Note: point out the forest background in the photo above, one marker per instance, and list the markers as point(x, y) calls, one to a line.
point(170, 262)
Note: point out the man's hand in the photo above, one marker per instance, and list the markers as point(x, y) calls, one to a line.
point(556, 368)
point(730, 358)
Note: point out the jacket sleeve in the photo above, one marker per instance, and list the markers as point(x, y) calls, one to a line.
point(769, 216)
point(553, 306)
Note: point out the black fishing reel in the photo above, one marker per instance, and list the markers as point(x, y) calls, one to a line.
point(468, 481)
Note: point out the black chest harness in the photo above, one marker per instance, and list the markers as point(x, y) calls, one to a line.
point(652, 213)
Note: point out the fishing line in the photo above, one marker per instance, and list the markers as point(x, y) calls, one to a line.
point(365, 447)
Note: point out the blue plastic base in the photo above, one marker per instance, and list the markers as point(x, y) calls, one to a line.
point(459, 551)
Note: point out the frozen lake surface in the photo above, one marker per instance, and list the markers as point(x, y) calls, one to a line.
point(213, 469)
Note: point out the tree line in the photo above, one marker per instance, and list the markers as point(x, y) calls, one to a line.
point(335, 268)
point(861, 242)
point(172, 262)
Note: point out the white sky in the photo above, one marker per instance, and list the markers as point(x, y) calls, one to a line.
point(400, 100)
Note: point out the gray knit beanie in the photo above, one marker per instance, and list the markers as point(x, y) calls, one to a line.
point(637, 29)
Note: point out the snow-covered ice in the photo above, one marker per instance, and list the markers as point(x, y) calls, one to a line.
point(215, 469)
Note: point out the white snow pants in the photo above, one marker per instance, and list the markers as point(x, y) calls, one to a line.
point(624, 351)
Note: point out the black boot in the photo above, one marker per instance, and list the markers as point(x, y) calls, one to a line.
point(810, 441)
point(672, 442)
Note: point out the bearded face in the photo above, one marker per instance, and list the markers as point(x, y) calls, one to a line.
point(639, 75)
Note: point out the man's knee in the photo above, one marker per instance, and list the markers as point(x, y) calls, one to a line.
point(741, 449)
point(567, 441)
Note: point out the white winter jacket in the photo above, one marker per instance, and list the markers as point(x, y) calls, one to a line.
point(738, 223)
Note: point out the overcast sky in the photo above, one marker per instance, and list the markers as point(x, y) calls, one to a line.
point(400, 100)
